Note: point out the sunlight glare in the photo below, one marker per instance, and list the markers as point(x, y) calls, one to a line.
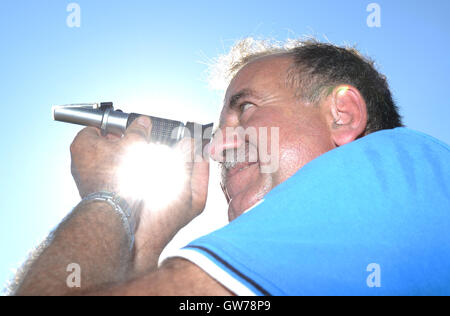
point(152, 173)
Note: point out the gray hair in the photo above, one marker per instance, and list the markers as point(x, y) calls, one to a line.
point(223, 68)
point(316, 70)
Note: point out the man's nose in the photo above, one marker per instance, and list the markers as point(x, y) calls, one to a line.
point(225, 139)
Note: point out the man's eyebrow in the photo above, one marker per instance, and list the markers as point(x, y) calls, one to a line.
point(241, 94)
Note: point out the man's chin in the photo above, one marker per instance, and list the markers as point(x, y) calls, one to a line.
point(241, 202)
point(239, 205)
point(235, 209)
point(231, 216)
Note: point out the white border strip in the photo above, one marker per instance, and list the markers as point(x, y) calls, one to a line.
point(254, 206)
point(215, 271)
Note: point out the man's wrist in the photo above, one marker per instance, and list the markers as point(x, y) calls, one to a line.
point(129, 213)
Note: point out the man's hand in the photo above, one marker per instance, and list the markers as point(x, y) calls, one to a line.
point(96, 159)
point(95, 164)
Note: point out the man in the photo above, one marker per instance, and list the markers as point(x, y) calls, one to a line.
point(331, 208)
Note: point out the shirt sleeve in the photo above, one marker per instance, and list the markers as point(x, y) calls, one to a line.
point(382, 201)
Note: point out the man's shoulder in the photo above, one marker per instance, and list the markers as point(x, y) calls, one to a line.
point(382, 199)
point(377, 157)
point(403, 134)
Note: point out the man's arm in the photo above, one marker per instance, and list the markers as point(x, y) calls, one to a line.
point(176, 277)
point(92, 237)
point(95, 238)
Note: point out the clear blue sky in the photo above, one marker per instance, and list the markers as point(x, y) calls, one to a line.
point(148, 55)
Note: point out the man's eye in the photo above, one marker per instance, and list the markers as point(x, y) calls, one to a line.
point(245, 106)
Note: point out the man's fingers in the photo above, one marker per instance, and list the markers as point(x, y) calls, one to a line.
point(186, 146)
point(83, 137)
point(112, 137)
point(89, 131)
point(140, 128)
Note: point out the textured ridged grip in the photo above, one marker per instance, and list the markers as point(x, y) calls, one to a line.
point(163, 131)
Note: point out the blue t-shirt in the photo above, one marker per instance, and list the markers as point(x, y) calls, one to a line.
point(368, 218)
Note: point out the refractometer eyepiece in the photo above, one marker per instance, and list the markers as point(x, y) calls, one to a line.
point(108, 120)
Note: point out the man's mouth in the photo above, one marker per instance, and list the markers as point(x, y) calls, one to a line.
point(235, 169)
point(239, 170)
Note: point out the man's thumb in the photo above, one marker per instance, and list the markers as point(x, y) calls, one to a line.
point(141, 127)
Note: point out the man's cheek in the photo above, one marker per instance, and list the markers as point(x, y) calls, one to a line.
point(269, 157)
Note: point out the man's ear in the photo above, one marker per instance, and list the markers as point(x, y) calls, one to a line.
point(347, 114)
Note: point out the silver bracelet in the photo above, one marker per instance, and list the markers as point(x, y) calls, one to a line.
point(120, 206)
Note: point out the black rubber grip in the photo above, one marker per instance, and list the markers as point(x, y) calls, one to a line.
point(163, 131)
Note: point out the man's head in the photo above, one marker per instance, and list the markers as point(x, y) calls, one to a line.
point(318, 97)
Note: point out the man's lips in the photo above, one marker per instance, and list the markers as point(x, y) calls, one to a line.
point(240, 167)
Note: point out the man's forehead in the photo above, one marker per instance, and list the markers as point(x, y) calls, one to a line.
point(248, 81)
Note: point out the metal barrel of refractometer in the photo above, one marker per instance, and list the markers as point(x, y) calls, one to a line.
point(164, 131)
point(114, 122)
